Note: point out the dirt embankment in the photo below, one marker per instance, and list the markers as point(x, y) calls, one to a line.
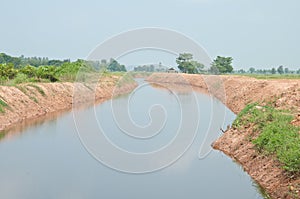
point(236, 92)
point(29, 101)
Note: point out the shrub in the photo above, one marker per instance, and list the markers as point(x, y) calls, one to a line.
point(47, 72)
point(28, 70)
point(20, 78)
point(39, 89)
point(277, 135)
point(7, 71)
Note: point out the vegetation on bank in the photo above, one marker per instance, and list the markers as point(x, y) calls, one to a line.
point(3, 105)
point(277, 136)
point(13, 71)
point(22, 61)
point(269, 76)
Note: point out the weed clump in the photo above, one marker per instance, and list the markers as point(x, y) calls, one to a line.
point(277, 135)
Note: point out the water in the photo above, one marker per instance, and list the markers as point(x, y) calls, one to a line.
point(48, 160)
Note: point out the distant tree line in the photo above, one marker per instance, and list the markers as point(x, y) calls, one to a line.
point(21, 69)
point(114, 66)
point(223, 65)
point(144, 68)
point(18, 62)
point(150, 68)
point(279, 70)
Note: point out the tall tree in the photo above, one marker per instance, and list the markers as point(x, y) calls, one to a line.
point(280, 70)
point(223, 64)
point(115, 66)
point(286, 70)
point(251, 70)
point(186, 64)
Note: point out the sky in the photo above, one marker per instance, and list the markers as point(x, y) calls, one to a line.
point(256, 33)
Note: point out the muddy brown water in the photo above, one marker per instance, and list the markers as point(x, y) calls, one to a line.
point(48, 160)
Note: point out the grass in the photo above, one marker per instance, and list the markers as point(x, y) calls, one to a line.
point(39, 89)
point(22, 89)
point(269, 76)
point(34, 99)
point(3, 105)
point(277, 135)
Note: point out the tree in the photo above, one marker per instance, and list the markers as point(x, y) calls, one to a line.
point(7, 71)
point(251, 70)
point(184, 61)
point(241, 71)
point(280, 70)
point(5, 59)
point(197, 67)
point(286, 70)
point(186, 64)
point(47, 72)
point(115, 66)
point(273, 71)
point(298, 71)
point(223, 64)
point(214, 70)
point(28, 70)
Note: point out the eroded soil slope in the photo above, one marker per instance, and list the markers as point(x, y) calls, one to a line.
point(29, 101)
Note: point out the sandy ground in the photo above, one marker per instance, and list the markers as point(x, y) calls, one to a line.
point(236, 92)
point(27, 102)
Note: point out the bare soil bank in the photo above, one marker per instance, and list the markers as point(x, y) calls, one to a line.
point(29, 101)
point(236, 92)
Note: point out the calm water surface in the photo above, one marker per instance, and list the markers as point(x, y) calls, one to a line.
point(48, 160)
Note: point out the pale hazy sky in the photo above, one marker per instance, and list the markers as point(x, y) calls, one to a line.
point(259, 33)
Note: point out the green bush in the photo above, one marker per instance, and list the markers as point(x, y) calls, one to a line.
point(39, 89)
point(7, 71)
point(47, 72)
point(75, 70)
point(68, 71)
point(28, 70)
point(20, 78)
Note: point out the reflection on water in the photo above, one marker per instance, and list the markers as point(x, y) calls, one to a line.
point(19, 128)
point(47, 160)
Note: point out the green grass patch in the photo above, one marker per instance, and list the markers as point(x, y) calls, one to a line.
point(34, 99)
point(3, 105)
point(277, 135)
point(22, 89)
point(39, 89)
point(25, 91)
point(269, 76)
